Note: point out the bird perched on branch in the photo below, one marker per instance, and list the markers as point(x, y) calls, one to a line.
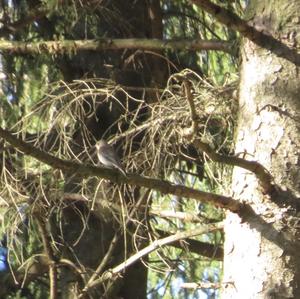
point(108, 157)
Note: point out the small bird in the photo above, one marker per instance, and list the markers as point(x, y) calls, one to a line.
point(108, 157)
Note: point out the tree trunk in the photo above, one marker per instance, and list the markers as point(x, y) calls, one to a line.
point(262, 256)
point(96, 240)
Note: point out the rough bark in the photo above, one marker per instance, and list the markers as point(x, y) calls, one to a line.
point(262, 256)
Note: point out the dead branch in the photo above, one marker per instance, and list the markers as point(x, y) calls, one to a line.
point(105, 260)
point(194, 117)
point(264, 177)
point(202, 285)
point(60, 47)
point(76, 269)
point(114, 243)
point(152, 247)
point(262, 174)
point(260, 38)
point(163, 186)
point(205, 249)
point(50, 255)
point(186, 217)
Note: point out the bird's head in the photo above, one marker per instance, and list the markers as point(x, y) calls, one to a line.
point(101, 143)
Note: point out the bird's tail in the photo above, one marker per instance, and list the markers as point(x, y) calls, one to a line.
point(122, 171)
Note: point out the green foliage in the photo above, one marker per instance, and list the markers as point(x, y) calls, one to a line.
point(183, 20)
point(28, 80)
point(170, 266)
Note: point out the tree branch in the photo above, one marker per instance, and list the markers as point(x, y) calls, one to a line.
point(262, 174)
point(183, 216)
point(233, 21)
point(114, 242)
point(69, 46)
point(50, 255)
point(205, 249)
point(256, 168)
point(114, 176)
point(204, 285)
point(154, 246)
point(193, 130)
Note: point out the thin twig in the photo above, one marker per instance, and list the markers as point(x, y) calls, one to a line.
point(112, 246)
point(204, 285)
point(194, 117)
point(209, 250)
point(186, 217)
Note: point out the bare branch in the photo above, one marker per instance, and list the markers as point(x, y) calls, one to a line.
point(50, 255)
point(113, 244)
point(194, 117)
point(76, 269)
point(186, 217)
point(152, 247)
point(205, 249)
point(260, 38)
point(203, 285)
point(105, 260)
point(62, 46)
point(88, 170)
point(261, 173)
